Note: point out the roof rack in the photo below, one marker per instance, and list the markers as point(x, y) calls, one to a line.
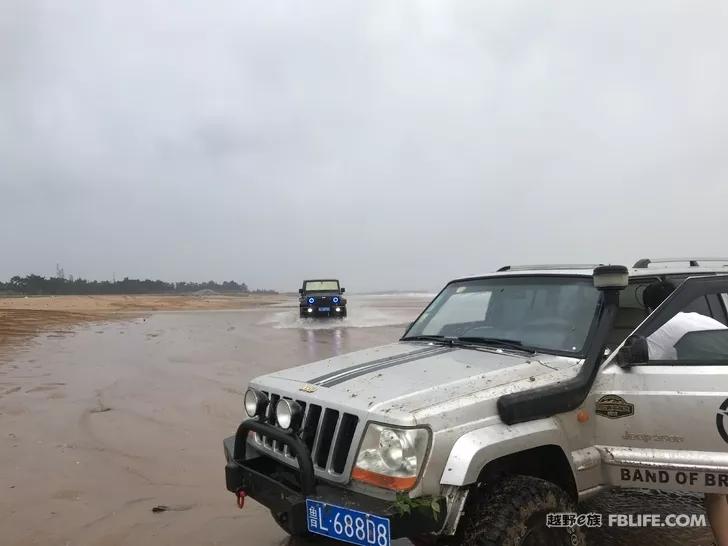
point(694, 262)
point(547, 267)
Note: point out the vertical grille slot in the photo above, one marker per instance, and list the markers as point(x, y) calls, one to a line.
point(326, 437)
point(343, 442)
point(310, 425)
point(270, 415)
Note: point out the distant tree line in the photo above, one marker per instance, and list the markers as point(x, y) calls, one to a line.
point(37, 285)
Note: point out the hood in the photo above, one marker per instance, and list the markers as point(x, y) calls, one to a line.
point(412, 381)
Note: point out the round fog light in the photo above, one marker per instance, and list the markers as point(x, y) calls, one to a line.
point(338, 309)
point(255, 403)
point(310, 310)
point(288, 414)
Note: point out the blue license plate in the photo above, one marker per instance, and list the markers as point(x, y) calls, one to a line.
point(347, 525)
point(326, 309)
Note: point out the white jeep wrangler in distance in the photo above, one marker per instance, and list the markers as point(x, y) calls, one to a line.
point(513, 395)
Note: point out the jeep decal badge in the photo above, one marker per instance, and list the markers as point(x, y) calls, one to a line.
point(614, 407)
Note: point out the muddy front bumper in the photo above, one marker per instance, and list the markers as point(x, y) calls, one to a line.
point(284, 490)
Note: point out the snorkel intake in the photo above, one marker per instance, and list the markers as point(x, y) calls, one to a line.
point(568, 395)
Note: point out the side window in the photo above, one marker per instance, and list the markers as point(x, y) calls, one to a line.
point(631, 311)
point(703, 346)
point(690, 335)
point(717, 302)
point(711, 305)
point(699, 305)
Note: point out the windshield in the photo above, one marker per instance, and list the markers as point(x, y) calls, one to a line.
point(548, 314)
point(319, 286)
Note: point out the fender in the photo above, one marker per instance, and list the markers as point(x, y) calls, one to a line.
point(474, 450)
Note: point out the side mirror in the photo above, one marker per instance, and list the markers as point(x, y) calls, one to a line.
point(300, 291)
point(634, 351)
point(343, 290)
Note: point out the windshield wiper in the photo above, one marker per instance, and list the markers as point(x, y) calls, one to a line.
point(436, 339)
point(496, 342)
point(464, 341)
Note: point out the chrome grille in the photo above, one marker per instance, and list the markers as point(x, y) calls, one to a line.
point(328, 433)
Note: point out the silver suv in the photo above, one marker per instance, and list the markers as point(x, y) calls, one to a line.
point(514, 395)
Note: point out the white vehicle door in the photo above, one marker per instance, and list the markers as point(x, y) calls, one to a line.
point(663, 424)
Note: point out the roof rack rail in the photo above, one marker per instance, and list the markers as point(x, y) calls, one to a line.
point(694, 262)
point(547, 267)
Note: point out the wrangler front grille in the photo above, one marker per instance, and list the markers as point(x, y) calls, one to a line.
point(328, 433)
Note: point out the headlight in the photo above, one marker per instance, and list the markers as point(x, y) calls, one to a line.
point(391, 457)
point(255, 403)
point(288, 414)
point(335, 299)
point(311, 301)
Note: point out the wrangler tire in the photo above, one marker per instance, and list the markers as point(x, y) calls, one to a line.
point(512, 512)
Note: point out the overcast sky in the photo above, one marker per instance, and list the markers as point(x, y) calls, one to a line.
point(391, 144)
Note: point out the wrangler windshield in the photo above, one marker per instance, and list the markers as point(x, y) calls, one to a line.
point(548, 314)
point(322, 286)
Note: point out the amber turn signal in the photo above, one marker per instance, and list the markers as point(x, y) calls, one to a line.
point(379, 480)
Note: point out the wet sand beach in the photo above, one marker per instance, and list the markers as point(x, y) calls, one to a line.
point(107, 415)
point(24, 317)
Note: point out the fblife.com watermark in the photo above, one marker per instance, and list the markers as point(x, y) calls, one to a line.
point(593, 519)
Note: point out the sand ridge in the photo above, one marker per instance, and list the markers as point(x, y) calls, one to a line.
point(24, 317)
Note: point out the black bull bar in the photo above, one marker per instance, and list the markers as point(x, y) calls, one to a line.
point(284, 489)
point(294, 443)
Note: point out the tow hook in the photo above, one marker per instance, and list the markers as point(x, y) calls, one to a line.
point(240, 497)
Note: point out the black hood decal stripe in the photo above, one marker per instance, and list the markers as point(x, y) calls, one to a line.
point(340, 376)
point(370, 363)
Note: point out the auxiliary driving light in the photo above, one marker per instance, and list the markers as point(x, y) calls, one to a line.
point(289, 414)
point(255, 403)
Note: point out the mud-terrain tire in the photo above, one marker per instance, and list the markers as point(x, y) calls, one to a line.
point(309, 538)
point(512, 512)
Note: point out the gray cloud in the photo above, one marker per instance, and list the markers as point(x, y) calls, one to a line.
point(391, 144)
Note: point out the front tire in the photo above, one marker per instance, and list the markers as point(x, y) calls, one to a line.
point(512, 512)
